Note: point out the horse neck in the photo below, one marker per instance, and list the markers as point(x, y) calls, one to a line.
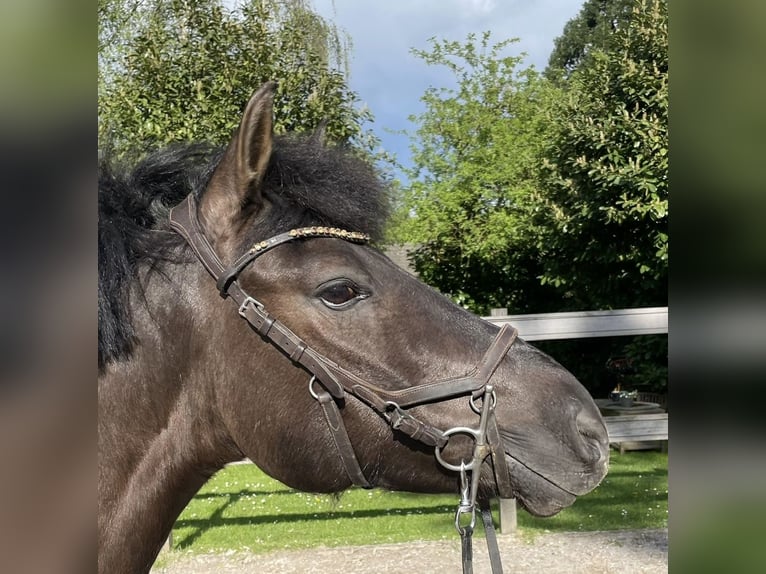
point(159, 441)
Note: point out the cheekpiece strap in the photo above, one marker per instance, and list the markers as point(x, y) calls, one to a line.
point(183, 220)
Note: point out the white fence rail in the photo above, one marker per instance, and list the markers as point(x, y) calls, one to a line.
point(586, 324)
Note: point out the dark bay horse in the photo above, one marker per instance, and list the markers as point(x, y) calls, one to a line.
point(345, 369)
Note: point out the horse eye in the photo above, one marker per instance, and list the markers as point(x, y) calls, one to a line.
point(340, 294)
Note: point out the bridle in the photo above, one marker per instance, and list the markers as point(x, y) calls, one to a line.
point(330, 383)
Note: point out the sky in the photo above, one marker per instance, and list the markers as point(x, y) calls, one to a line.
point(390, 80)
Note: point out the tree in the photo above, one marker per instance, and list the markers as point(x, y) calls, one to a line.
point(468, 205)
point(605, 221)
point(592, 29)
point(606, 191)
point(182, 69)
point(545, 198)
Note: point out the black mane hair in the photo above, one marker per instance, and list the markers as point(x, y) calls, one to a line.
point(307, 183)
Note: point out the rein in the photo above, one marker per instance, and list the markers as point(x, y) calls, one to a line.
point(330, 382)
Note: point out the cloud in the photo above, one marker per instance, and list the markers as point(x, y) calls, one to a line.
point(391, 80)
point(481, 6)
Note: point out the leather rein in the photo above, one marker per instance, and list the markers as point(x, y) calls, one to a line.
point(330, 383)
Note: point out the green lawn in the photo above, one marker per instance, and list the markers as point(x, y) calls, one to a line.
point(241, 508)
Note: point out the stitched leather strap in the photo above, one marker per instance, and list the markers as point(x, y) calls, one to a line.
point(444, 389)
point(183, 220)
point(288, 342)
point(499, 464)
point(340, 438)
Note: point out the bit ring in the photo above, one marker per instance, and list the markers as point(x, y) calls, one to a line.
point(454, 467)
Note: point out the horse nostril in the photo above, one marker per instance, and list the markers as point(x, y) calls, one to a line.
point(593, 432)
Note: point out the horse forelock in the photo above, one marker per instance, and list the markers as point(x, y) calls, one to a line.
point(314, 184)
point(306, 183)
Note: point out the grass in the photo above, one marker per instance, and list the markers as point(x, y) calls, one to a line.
point(241, 508)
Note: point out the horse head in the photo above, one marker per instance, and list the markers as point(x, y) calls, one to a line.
point(388, 333)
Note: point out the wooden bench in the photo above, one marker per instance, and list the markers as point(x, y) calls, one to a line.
point(637, 430)
point(623, 430)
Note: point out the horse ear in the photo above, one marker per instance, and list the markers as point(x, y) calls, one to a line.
point(255, 135)
point(236, 183)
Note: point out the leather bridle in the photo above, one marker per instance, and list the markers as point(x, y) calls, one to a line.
point(330, 383)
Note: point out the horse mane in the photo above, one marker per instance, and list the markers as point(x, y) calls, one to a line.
point(307, 182)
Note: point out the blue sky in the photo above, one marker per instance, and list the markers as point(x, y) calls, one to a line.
point(390, 80)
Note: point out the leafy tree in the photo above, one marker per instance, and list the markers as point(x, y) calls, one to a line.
point(592, 29)
point(475, 153)
point(605, 224)
point(605, 240)
point(182, 69)
point(544, 198)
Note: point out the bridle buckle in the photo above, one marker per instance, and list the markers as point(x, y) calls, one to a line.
point(246, 303)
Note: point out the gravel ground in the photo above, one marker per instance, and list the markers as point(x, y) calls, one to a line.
point(623, 552)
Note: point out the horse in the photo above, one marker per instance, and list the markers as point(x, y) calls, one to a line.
point(307, 351)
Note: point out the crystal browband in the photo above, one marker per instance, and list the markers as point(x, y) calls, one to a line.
point(330, 232)
point(353, 236)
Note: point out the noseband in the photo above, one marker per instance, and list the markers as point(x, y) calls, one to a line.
point(329, 382)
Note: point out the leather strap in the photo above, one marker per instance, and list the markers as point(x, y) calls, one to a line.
point(491, 536)
point(417, 429)
point(466, 550)
point(444, 389)
point(183, 220)
point(340, 438)
point(499, 464)
point(288, 342)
